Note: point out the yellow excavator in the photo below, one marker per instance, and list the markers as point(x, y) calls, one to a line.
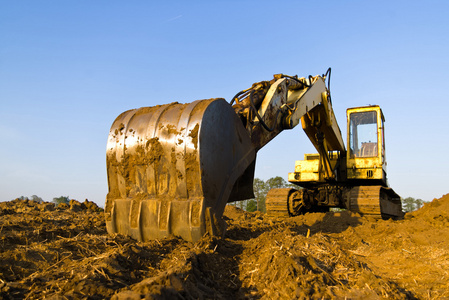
point(173, 168)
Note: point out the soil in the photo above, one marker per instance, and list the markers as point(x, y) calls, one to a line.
point(65, 253)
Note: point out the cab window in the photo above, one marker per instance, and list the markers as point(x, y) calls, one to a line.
point(363, 134)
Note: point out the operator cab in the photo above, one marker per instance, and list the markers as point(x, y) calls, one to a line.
point(366, 145)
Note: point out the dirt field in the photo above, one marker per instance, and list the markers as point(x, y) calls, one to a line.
point(65, 253)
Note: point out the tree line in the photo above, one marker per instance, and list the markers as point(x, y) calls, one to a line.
point(410, 204)
point(56, 200)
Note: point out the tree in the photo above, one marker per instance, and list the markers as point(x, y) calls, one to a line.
point(276, 183)
point(410, 204)
point(261, 189)
point(251, 205)
point(37, 199)
point(62, 199)
point(419, 203)
point(260, 192)
point(33, 198)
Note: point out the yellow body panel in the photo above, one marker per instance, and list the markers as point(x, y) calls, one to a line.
point(308, 170)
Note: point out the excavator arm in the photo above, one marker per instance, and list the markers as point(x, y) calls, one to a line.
point(286, 102)
point(172, 168)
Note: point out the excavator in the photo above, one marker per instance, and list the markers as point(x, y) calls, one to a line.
point(173, 168)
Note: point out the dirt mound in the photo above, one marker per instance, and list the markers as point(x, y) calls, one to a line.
point(436, 212)
point(64, 252)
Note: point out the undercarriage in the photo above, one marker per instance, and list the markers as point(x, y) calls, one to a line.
point(376, 201)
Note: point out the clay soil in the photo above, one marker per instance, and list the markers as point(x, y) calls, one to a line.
point(65, 253)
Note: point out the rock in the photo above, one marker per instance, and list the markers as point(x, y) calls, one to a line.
point(90, 205)
point(47, 206)
point(76, 206)
point(62, 206)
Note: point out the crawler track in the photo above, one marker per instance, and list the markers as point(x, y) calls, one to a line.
point(376, 201)
point(277, 202)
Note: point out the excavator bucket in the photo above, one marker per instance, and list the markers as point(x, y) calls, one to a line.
point(172, 169)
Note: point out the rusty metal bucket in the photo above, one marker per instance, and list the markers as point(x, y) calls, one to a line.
point(172, 169)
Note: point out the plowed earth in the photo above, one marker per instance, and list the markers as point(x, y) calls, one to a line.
point(65, 253)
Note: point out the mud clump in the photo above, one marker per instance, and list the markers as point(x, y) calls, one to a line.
point(64, 252)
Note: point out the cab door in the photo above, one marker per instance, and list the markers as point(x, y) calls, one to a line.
point(366, 144)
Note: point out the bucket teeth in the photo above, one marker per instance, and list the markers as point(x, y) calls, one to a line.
point(154, 219)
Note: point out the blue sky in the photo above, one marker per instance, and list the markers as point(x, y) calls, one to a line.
point(69, 68)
